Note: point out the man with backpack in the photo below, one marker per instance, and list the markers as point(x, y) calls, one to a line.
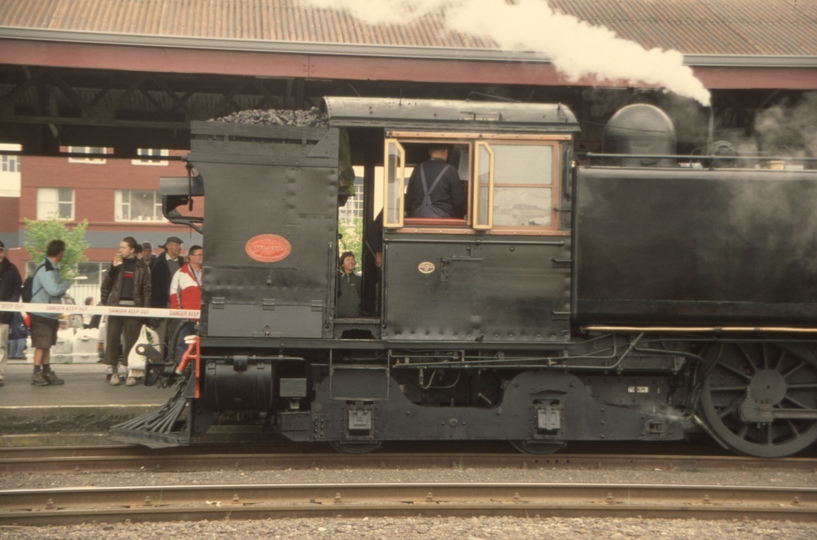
point(434, 189)
point(10, 283)
point(47, 287)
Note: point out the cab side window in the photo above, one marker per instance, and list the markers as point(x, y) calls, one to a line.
point(513, 186)
point(523, 185)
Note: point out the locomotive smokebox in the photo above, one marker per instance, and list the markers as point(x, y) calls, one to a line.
point(640, 130)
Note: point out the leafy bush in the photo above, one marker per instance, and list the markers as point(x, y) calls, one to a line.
point(351, 239)
point(40, 233)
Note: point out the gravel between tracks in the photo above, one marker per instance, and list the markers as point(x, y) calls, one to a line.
point(484, 528)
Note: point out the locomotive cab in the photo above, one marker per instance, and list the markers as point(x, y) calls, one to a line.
point(499, 271)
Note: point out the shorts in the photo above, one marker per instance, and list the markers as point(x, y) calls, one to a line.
point(43, 332)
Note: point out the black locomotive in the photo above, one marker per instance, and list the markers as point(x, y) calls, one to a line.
point(639, 296)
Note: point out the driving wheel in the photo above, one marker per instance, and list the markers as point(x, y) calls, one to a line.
point(760, 399)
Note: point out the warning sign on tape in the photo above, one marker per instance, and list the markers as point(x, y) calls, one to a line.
point(126, 311)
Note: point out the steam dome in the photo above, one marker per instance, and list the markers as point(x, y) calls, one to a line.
point(641, 130)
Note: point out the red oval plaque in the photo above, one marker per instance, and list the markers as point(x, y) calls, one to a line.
point(268, 248)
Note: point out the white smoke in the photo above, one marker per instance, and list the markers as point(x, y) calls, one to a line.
point(576, 48)
point(784, 129)
point(788, 129)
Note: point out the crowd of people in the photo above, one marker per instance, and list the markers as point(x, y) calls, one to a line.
point(136, 277)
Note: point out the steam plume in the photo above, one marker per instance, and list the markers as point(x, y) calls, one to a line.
point(576, 48)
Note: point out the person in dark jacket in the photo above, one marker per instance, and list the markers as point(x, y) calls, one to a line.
point(10, 284)
point(349, 287)
point(162, 271)
point(167, 264)
point(434, 189)
point(127, 283)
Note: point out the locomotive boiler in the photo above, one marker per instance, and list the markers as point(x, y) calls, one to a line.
point(638, 296)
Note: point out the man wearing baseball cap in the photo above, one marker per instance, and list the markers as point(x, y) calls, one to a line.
point(167, 264)
point(10, 284)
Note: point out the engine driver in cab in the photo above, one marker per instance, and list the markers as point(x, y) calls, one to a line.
point(434, 189)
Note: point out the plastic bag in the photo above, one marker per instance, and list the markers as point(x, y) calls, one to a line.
point(136, 361)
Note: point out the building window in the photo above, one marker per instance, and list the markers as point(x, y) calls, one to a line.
point(151, 153)
point(10, 177)
point(78, 152)
point(354, 205)
point(11, 163)
point(55, 203)
point(138, 206)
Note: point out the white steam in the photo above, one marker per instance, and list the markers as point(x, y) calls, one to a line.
point(784, 129)
point(787, 129)
point(576, 48)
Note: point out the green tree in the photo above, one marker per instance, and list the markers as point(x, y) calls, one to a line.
point(40, 233)
point(351, 239)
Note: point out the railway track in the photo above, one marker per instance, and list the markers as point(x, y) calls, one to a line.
point(123, 458)
point(68, 506)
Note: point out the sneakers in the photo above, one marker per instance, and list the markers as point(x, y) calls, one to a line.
point(38, 379)
point(131, 381)
point(115, 379)
point(108, 372)
point(52, 378)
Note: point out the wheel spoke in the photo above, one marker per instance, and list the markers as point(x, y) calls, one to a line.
point(735, 371)
point(765, 354)
point(744, 429)
point(793, 370)
point(748, 358)
point(793, 428)
point(780, 361)
point(801, 386)
point(728, 410)
point(768, 429)
point(795, 402)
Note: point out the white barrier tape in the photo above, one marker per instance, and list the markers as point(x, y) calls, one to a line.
point(129, 311)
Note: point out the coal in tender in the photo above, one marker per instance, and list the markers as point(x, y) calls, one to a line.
point(275, 117)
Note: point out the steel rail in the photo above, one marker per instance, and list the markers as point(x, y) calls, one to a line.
point(135, 459)
point(64, 506)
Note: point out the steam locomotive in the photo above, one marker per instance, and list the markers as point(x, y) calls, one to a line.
point(640, 295)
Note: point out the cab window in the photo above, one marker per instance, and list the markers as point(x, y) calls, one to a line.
point(523, 185)
point(511, 184)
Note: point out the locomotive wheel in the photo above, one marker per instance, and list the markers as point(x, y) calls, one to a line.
point(785, 378)
point(355, 448)
point(539, 448)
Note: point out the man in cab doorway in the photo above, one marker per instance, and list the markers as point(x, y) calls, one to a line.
point(349, 287)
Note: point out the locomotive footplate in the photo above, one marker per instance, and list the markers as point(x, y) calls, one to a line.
point(536, 406)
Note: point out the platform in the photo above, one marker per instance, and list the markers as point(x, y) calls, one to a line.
point(85, 404)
